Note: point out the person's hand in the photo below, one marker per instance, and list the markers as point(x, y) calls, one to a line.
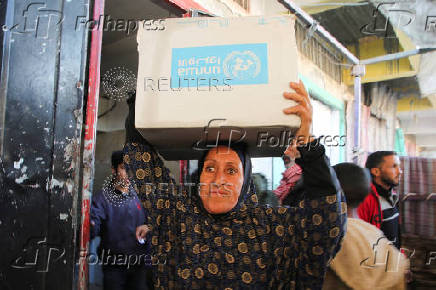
point(303, 109)
point(141, 232)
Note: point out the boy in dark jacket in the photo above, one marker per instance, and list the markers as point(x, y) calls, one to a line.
point(115, 213)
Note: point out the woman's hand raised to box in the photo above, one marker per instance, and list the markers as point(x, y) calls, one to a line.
point(303, 109)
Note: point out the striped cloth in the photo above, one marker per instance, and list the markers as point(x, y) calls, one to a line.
point(289, 179)
point(418, 215)
point(418, 196)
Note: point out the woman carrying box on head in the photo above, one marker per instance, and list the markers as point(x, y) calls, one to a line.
point(219, 237)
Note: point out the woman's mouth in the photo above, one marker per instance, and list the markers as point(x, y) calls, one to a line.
point(220, 193)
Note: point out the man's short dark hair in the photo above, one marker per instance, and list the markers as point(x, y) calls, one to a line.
point(375, 159)
point(117, 159)
point(355, 182)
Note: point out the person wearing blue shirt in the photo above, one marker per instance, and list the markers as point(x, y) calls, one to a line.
point(116, 212)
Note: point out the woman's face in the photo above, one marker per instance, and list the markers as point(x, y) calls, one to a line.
point(221, 180)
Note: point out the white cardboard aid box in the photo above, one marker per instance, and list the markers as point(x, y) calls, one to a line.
point(206, 79)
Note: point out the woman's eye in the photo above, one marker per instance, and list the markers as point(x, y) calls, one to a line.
point(210, 169)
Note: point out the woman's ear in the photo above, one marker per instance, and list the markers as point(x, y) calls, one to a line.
point(113, 171)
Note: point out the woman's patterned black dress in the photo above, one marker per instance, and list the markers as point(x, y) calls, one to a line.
point(253, 246)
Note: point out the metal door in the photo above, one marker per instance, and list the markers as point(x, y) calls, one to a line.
point(44, 64)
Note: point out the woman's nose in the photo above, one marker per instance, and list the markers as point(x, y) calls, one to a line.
point(219, 177)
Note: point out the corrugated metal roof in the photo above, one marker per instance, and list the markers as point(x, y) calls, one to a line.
point(350, 23)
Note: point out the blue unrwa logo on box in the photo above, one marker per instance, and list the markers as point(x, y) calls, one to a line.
point(238, 64)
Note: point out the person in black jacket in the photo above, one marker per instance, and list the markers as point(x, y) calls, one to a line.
point(116, 211)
